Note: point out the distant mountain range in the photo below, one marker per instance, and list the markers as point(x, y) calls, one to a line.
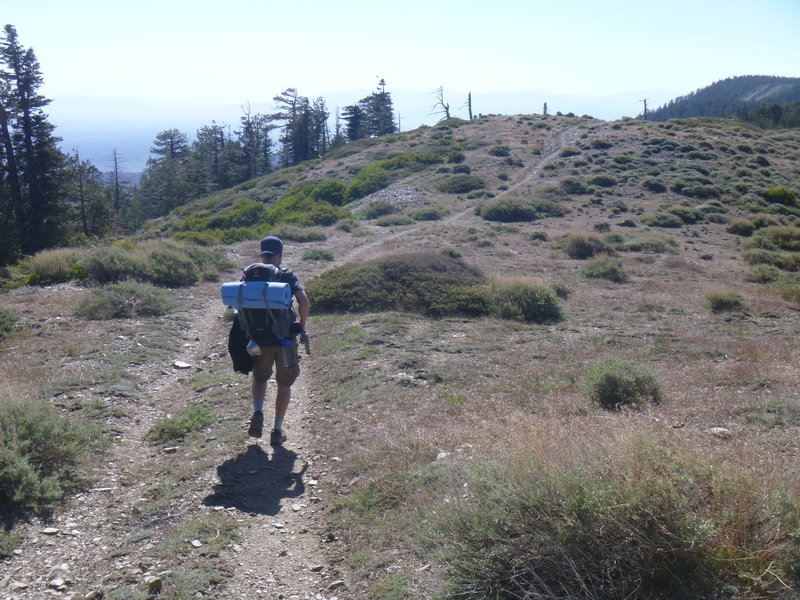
point(731, 97)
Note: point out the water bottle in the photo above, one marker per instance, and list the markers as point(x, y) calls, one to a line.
point(289, 354)
point(253, 349)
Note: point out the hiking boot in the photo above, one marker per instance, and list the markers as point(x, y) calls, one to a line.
point(277, 437)
point(256, 424)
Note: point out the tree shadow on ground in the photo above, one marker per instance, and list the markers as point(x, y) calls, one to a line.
point(254, 482)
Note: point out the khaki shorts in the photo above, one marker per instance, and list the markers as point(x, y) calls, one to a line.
point(262, 365)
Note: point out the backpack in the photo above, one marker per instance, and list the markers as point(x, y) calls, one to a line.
point(266, 326)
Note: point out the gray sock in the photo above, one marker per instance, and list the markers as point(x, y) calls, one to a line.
point(258, 404)
point(278, 423)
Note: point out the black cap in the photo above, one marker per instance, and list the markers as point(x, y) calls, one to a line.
point(271, 245)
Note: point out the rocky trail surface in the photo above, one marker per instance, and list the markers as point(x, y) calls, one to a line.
point(102, 544)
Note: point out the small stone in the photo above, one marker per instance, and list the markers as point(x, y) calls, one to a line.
point(17, 586)
point(171, 450)
point(336, 584)
point(179, 364)
point(279, 525)
point(154, 585)
point(315, 568)
point(297, 507)
point(196, 543)
point(720, 432)
point(57, 583)
point(50, 531)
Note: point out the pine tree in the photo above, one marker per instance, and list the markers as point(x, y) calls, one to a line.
point(31, 202)
point(167, 181)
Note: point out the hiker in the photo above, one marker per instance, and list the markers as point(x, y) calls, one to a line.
point(272, 352)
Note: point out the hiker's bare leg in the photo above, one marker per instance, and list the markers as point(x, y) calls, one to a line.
point(282, 400)
point(259, 390)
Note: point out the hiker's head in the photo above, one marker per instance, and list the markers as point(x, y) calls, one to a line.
point(271, 250)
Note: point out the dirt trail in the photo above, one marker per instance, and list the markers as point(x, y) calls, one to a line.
point(96, 543)
point(387, 241)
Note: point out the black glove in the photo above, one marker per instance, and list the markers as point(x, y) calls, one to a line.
point(295, 329)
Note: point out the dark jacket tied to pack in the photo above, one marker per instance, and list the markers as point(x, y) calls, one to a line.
point(265, 326)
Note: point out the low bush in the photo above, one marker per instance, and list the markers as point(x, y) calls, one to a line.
point(348, 225)
point(450, 252)
point(721, 301)
point(763, 274)
point(781, 195)
point(574, 185)
point(665, 220)
point(613, 382)
point(430, 213)
point(606, 267)
point(499, 150)
point(654, 185)
point(42, 454)
point(299, 234)
point(603, 180)
point(110, 264)
point(128, 299)
point(581, 246)
point(741, 227)
point(642, 519)
point(8, 323)
point(569, 151)
point(317, 254)
point(377, 208)
point(776, 238)
point(523, 299)
point(510, 210)
point(687, 215)
point(460, 183)
point(52, 266)
point(394, 221)
point(462, 169)
point(649, 244)
point(561, 289)
point(169, 267)
point(788, 288)
point(194, 418)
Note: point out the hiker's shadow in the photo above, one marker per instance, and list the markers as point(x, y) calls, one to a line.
point(253, 482)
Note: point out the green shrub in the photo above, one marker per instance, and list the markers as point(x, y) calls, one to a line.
point(455, 157)
point(450, 252)
point(460, 183)
point(741, 227)
point(581, 246)
point(776, 238)
point(569, 151)
point(52, 266)
point(297, 208)
point(665, 220)
point(601, 144)
point(687, 215)
point(641, 520)
point(499, 150)
point(574, 185)
point(430, 213)
point(127, 299)
point(8, 323)
point(41, 454)
point(763, 274)
point(781, 195)
point(171, 268)
point(317, 254)
point(347, 225)
point(509, 210)
point(462, 169)
point(524, 300)
point(377, 208)
point(299, 234)
point(606, 267)
point(561, 289)
point(613, 382)
point(654, 185)
point(649, 244)
point(427, 283)
point(788, 288)
point(110, 264)
point(394, 221)
point(721, 301)
point(603, 180)
point(192, 419)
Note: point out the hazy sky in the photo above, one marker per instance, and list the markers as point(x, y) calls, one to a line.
point(198, 53)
